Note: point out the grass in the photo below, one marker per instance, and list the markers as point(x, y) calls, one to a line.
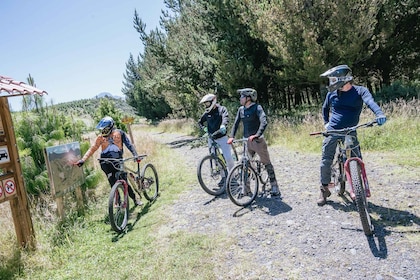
point(398, 139)
point(86, 248)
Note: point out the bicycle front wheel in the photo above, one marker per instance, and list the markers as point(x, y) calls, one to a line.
point(338, 177)
point(242, 185)
point(361, 201)
point(150, 182)
point(211, 174)
point(118, 207)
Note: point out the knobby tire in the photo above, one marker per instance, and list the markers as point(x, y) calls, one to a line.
point(150, 182)
point(210, 172)
point(239, 192)
point(361, 201)
point(118, 207)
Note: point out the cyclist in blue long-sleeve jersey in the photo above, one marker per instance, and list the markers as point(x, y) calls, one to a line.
point(341, 109)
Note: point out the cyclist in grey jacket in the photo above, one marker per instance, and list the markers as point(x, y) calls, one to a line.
point(341, 109)
point(254, 123)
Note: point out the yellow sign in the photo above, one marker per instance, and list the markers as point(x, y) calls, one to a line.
point(127, 120)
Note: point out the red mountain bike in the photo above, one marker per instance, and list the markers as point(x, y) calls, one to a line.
point(351, 169)
point(143, 180)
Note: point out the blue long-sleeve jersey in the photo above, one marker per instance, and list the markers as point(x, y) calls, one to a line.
point(342, 109)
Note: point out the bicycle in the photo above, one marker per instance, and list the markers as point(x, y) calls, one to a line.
point(243, 180)
point(212, 168)
point(143, 180)
point(347, 167)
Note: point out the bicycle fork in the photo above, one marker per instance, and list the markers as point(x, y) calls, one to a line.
point(365, 182)
point(125, 198)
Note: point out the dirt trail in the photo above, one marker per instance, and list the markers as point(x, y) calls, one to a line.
point(293, 238)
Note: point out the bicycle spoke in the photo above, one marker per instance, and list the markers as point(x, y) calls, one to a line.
point(118, 207)
point(242, 185)
point(211, 174)
point(150, 182)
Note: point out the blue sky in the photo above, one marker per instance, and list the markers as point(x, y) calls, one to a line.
point(73, 49)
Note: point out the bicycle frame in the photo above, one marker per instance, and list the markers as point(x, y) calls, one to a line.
point(254, 163)
point(345, 148)
point(215, 150)
point(122, 168)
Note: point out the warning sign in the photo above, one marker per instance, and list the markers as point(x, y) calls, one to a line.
point(9, 187)
point(4, 154)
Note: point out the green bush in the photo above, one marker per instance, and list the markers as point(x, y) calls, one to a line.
point(399, 90)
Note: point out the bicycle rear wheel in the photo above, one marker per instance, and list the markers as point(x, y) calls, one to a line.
point(263, 172)
point(150, 182)
point(242, 185)
point(361, 201)
point(211, 174)
point(118, 207)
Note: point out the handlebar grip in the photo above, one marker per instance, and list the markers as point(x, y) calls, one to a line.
point(315, 133)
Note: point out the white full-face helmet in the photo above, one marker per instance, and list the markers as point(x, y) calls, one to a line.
point(338, 76)
point(209, 101)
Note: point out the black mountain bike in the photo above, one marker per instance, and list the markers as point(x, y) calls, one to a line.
point(212, 168)
point(245, 177)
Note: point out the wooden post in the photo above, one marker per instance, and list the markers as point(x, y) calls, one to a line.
point(19, 204)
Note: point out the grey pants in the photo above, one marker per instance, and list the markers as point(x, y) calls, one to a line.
point(329, 147)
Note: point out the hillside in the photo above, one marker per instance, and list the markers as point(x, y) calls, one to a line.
point(88, 107)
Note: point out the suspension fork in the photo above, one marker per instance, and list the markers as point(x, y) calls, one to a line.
point(124, 183)
point(363, 177)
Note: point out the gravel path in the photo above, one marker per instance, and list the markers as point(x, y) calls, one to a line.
point(293, 238)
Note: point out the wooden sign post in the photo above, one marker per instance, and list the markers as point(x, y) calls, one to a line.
point(12, 181)
point(11, 177)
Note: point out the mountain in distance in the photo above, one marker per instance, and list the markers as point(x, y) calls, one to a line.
point(108, 95)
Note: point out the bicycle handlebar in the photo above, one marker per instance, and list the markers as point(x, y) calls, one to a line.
point(244, 139)
point(114, 161)
point(343, 131)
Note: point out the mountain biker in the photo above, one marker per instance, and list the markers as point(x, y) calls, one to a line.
point(341, 109)
point(254, 123)
point(111, 141)
point(216, 117)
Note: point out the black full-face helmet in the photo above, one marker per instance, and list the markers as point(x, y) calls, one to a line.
point(249, 92)
point(105, 126)
point(338, 76)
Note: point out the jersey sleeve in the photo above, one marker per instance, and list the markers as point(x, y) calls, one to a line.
point(128, 143)
point(263, 120)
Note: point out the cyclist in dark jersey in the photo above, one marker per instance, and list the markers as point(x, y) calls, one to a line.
point(254, 123)
point(216, 118)
point(341, 109)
